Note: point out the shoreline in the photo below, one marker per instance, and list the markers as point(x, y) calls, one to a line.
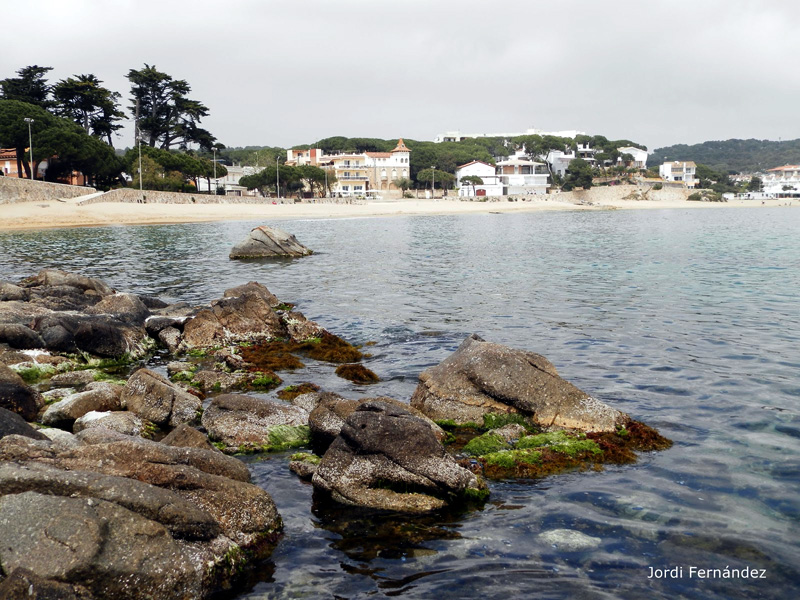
point(54, 214)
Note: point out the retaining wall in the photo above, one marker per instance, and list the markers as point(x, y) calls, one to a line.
point(14, 190)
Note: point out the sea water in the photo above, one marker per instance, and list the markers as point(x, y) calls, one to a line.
point(688, 320)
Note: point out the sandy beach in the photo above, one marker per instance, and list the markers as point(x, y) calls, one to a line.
point(50, 214)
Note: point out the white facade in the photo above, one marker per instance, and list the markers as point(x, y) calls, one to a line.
point(775, 180)
point(559, 161)
point(639, 156)
point(491, 186)
point(678, 171)
point(457, 136)
point(522, 176)
point(358, 173)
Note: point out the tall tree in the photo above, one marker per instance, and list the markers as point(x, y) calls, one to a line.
point(579, 174)
point(166, 116)
point(30, 86)
point(95, 108)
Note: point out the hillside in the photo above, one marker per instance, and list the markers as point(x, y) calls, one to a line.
point(741, 156)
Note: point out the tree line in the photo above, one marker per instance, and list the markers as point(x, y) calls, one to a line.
point(72, 123)
point(732, 156)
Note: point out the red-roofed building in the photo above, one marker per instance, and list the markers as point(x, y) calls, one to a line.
point(783, 182)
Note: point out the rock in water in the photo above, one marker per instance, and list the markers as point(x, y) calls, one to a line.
point(386, 458)
point(264, 242)
point(482, 378)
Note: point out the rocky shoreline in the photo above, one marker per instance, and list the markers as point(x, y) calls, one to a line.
point(117, 481)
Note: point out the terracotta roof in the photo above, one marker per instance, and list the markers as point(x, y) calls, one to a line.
point(473, 162)
point(379, 154)
point(786, 168)
point(401, 146)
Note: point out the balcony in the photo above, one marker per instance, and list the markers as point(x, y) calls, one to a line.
point(352, 177)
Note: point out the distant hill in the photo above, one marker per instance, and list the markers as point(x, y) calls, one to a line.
point(741, 156)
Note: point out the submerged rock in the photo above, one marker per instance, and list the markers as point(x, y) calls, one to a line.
point(482, 378)
point(265, 242)
point(386, 458)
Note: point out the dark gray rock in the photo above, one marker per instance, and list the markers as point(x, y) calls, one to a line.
point(154, 325)
point(481, 378)
point(22, 583)
point(9, 291)
point(253, 287)
point(12, 424)
point(17, 396)
point(170, 338)
point(266, 242)
point(124, 307)
point(184, 436)
point(20, 336)
point(382, 448)
point(58, 278)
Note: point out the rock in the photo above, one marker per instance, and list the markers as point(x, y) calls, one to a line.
point(382, 446)
point(9, 291)
point(266, 241)
point(170, 338)
point(510, 432)
point(217, 381)
point(248, 317)
point(184, 436)
point(22, 583)
point(253, 287)
point(482, 378)
point(108, 337)
point(299, 328)
point(122, 421)
point(331, 412)
point(177, 367)
point(125, 307)
point(568, 540)
point(56, 277)
point(12, 424)
point(97, 397)
point(12, 357)
point(247, 424)
point(158, 400)
point(112, 551)
point(304, 465)
point(62, 440)
point(154, 325)
point(308, 401)
point(17, 396)
point(19, 336)
point(82, 377)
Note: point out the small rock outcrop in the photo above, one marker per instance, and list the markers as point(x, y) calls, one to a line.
point(158, 400)
point(248, 424)
point(98, 396)
point(266, 242)
point(386, 458)
point(17, 396)
point(482, 378)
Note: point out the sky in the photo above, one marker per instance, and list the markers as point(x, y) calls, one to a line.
point(289, 72)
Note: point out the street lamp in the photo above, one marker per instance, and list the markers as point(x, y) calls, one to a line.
point(28, 120)
point(216, 183)
point(139, 139)
point(433, 181)
point(277, 177)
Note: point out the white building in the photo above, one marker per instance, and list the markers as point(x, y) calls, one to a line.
point(358, 173)
point(491, 186)
point(457, 136)
point(521, 175)
point(639, 156)
point(231, 181)
point(782, 182)
point(683, 172)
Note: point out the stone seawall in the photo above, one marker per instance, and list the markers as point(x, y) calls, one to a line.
point(13, 190)
point(134, 196)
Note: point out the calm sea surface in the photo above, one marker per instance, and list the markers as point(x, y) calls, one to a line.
point(687, 320)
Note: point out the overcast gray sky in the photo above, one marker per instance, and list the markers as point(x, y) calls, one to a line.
point(289, 72)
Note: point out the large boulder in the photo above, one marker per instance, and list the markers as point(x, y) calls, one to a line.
point(248, 317)
point(122, 421)
point(125, 307)
point(20, 336)
point(266, 242)
point(58, 278)
point(482, 378)
point(383, 448)
point(100, 335)
point(248, 424)
point(158, 400)
point(99, 396)
point(17, 396)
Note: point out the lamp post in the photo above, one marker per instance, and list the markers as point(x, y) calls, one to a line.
point(433, 181)
point(277, 177)
point(28, 120)
point(216, 184)
point(326, 183)
point(139, 139)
